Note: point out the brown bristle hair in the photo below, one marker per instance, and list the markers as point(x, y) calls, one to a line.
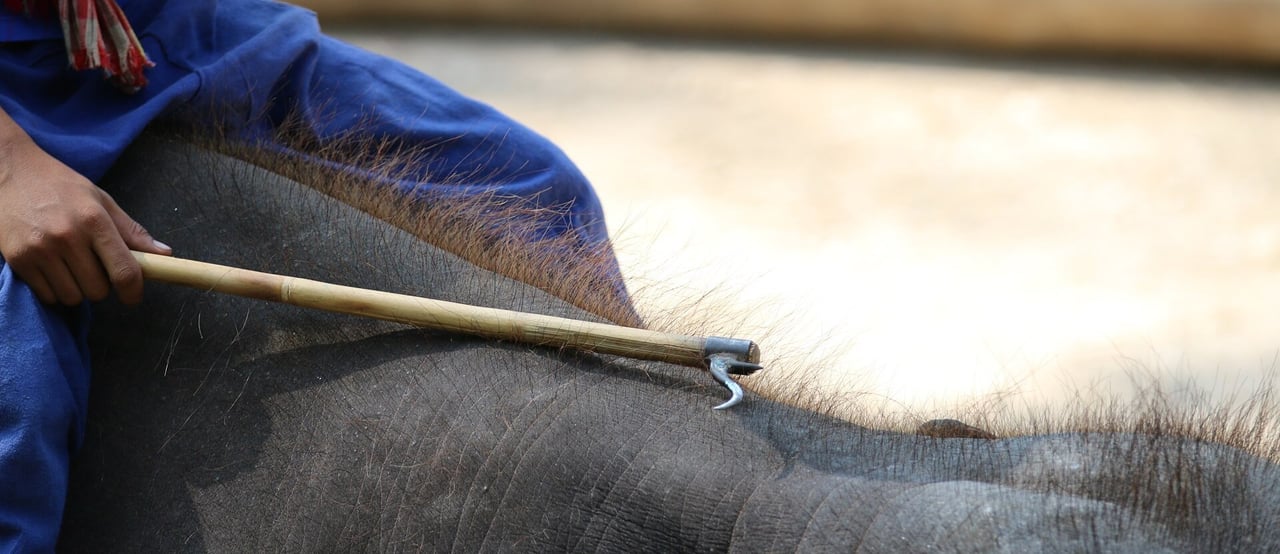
point(492, 232)
point(485, 228)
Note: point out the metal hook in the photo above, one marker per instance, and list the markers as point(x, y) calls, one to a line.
point(721, 365)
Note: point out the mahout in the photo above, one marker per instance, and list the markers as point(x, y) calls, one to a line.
point(226, 424)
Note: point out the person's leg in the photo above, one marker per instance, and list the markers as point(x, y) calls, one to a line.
point(283, 73)
point(467, 147)
point(268, 63)
point(44, 388)
point(466, 144)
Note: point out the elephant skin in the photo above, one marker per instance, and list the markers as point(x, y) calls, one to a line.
point(230, 425)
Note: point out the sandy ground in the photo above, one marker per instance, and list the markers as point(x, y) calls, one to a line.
point(966, 225)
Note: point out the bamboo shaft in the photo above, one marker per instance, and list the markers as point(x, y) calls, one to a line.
point(534, 329)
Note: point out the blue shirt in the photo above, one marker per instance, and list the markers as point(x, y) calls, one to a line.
point(16, 27)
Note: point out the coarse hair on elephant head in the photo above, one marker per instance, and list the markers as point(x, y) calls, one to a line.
point(457, 209)
point(221, 424)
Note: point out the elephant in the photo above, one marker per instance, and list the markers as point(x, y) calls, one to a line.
point(227, 424)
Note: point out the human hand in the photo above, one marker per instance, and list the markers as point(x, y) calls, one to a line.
point(64, 236)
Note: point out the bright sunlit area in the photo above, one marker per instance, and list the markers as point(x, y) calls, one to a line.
point(944, 222)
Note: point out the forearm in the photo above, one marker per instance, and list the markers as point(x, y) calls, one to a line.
point(10, 132)
point(13, 139)
point(16, 151)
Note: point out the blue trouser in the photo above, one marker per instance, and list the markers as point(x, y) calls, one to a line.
point(253, 63)
point(44, 390)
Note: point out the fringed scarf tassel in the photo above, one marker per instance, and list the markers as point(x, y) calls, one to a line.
point(97, 36)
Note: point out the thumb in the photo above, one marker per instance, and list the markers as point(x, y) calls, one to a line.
point(134, 234)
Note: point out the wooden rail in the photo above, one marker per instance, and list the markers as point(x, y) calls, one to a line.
point(1234, 30)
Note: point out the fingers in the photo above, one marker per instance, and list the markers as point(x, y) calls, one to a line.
point(38, 284)
point(87, 273)
point(54, 282)
point(87, 258)
point(109, 245)
point(134, 235)
point(122, 268)
point(65, 285)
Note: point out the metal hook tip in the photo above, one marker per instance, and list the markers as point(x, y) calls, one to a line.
point(731, 402)
point(720, 371)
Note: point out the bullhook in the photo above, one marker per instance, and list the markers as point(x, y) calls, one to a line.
point(721, 356)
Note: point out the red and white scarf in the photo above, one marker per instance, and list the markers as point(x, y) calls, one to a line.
point(97, 35)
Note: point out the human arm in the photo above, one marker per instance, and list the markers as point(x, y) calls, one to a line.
point(64, 236)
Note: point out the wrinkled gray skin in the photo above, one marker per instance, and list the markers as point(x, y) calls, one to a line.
point(223, 424)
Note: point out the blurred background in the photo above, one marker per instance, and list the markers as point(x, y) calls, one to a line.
point(964, 197)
